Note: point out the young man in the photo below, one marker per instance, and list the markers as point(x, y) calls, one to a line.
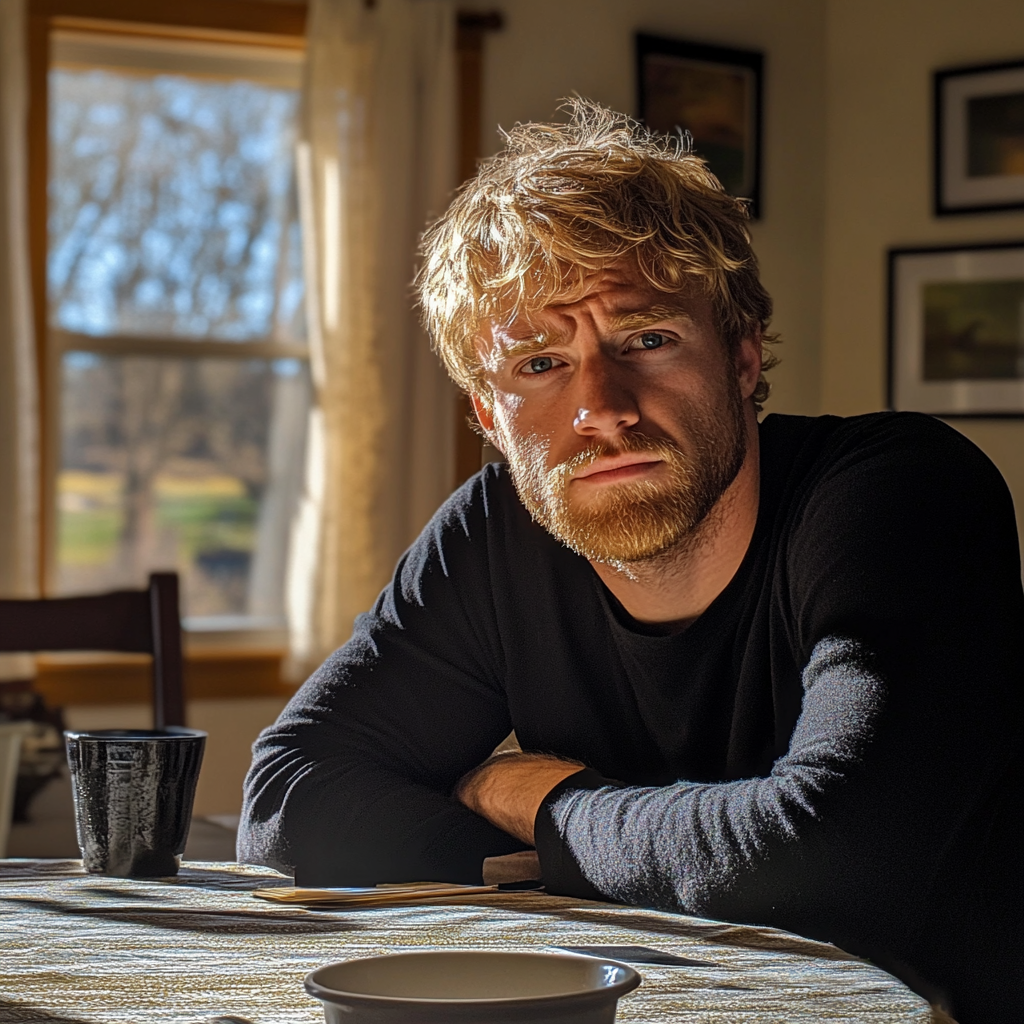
point(764, 673)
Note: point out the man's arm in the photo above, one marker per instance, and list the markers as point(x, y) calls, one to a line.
point(508, 789)
point(682, 846)
point(753, 849)
point(352, 785)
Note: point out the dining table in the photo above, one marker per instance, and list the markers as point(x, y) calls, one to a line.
point(78, 948)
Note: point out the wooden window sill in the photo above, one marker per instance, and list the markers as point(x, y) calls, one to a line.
point(218, 674)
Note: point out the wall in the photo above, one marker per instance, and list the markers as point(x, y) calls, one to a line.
point(232, 726)
point(847, 158)
point(879, 59)
point(554, 48)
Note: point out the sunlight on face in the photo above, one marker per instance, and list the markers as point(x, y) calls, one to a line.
point(637, 520)
point(617, 373)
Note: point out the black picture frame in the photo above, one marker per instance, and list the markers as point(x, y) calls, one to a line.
point(955, 345)
point(673, 74)
point(978, 129)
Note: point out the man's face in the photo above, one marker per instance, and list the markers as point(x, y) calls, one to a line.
point(621, 415)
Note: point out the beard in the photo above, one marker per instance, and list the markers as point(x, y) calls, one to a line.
point(636, 520)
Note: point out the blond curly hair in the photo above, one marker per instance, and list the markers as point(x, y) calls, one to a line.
point(562, 201)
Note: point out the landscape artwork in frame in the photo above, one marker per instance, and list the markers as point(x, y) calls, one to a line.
point(979, 138)
point(956, 330)
point(714, 93)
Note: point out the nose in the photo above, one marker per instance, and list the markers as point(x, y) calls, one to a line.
point(605, 404)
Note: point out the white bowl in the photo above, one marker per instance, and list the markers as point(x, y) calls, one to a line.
point(470, 986)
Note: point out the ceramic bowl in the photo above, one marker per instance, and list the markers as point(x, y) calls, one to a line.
point(472, 986)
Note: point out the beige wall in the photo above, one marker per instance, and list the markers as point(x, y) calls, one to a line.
point(847, 155)
point(552, 48)
point(232, 726)
point(880, 55)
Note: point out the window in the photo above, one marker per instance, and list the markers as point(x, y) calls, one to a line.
point(179, 369)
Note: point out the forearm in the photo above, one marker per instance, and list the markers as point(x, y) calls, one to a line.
point(343, 822)
point(508, 789)
point(686, 847)
point(762, 849)
point(352, 785)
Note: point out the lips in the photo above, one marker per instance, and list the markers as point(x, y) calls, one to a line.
point(615, 464)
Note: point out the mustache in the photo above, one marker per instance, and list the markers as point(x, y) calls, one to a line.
point(629, 444)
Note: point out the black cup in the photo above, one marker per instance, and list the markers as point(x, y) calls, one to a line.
point(133, 792)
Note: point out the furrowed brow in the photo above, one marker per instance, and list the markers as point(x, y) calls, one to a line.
point(641, 318)
point(524, 346)
point(508, 349)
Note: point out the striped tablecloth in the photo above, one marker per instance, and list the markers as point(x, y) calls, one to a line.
point(83, 948)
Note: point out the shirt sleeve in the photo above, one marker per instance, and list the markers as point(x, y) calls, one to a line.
point(352, 784)
point(902, 579)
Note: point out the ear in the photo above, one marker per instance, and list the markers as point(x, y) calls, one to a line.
point(748, 364)
point(483, 413)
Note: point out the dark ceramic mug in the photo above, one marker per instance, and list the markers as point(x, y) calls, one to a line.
point(133, 791)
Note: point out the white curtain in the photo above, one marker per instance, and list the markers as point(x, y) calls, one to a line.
point(19, 471)
point(19, 468)
point(377, 159)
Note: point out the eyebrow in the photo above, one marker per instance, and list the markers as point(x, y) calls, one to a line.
point(534, 343)
point(637, 319)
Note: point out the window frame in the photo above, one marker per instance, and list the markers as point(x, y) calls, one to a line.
point(244, 663)
point(266, 24)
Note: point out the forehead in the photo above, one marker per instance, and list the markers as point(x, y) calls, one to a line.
point(614, 300)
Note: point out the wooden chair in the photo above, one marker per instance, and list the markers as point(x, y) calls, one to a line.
point(144, 621)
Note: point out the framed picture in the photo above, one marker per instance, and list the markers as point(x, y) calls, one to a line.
point(979, 138)
point(714, 93)
point(956, 330)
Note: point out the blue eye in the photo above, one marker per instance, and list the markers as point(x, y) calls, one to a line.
point(540, 364)
point(652, 340)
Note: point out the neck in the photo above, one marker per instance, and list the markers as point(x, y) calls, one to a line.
point(676, 587)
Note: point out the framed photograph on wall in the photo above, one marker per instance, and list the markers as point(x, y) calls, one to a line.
point(714, 93)
point(979, 138)
point(956, 330)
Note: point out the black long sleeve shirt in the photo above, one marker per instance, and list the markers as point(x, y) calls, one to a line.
point(833, 747)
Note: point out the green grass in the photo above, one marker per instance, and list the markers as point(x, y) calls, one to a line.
point(201, 523)
point(88, 537)
point(209, 523)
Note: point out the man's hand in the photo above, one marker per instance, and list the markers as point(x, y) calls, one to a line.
point(508, 789)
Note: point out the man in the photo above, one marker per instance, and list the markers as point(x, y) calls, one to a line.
point(764, 673)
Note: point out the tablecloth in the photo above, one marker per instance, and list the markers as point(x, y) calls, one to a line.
point(78, 948)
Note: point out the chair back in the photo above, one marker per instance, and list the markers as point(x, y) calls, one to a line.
point(144, 621)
